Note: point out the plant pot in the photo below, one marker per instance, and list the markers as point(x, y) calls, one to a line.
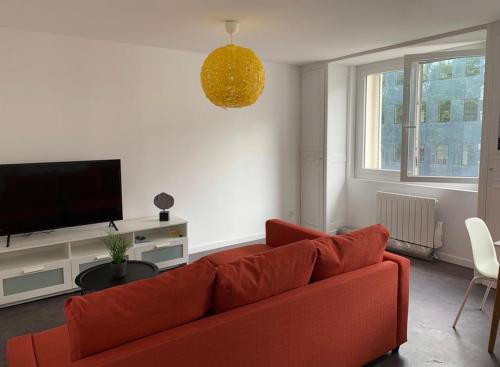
point(119, 270)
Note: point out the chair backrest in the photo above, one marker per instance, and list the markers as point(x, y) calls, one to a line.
point(483, 249)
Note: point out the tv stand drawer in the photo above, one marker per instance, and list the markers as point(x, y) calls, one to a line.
point(34, 281)
point(165, 254)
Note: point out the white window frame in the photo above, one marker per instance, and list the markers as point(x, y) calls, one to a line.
point(362, 72)
point(408, 61)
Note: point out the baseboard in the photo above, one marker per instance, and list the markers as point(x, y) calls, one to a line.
point(225, 243)
point(455, 260)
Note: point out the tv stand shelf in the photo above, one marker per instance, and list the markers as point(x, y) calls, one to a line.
point(44, 264)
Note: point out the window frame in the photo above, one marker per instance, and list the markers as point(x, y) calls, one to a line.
point(360, 131)
point(408, 61)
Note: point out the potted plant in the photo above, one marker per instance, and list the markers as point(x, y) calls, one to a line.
point(117, 246)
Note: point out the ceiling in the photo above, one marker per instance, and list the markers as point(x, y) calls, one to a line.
point(289, 31)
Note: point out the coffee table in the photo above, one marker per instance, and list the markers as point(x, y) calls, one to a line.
point(99, 277)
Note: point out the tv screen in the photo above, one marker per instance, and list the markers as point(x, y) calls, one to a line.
point(45, 196)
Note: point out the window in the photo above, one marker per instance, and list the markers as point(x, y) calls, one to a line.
point(471, 109)
point(382, 104)
point(449, 138)
point(444, 111)
point(421, 130)
point(472, 66)
point(440, 156)
point(398, 114)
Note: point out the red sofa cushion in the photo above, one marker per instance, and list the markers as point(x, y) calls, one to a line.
point(103, 320)
point(350, 251)
point(256, 277)
point(227, 256)
point(279, 232)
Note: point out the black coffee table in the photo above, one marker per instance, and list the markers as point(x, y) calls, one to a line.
point(99, 277)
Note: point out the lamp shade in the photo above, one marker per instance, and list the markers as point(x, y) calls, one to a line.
point(232, 76)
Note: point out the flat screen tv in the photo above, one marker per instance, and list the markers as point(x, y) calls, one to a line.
point(45, 196)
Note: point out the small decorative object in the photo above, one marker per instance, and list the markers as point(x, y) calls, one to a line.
point(164, 201)
point(232, 76)
point(174, 233)
point(140, 239)
point(117, 246)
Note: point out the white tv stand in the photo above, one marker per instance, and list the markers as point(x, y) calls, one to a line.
point(45, 264)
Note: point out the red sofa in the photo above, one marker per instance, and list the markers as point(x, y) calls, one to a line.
point(345, 320)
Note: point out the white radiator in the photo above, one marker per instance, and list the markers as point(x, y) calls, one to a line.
point(411, 220)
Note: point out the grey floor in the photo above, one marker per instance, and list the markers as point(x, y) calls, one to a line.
point(436, 292)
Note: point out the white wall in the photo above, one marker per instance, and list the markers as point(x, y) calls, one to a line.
point(64, 98)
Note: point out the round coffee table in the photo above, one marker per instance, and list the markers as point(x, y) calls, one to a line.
point(99, 277)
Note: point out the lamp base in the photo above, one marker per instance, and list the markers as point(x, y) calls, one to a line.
point(164, 216)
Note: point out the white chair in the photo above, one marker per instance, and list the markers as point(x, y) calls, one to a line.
point(485, 258)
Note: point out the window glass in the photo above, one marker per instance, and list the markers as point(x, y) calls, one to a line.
point(399, 78)
point(398, 114)
point(472, 66)
point(451, 107)
point(396, 157)
point(421, 154)
point(383, 120)
point(445, 69)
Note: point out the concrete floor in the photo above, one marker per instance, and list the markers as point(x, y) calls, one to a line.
point(436, 292)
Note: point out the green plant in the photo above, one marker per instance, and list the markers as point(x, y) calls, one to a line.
point(117, 246)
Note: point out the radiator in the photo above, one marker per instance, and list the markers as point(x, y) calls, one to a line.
point(411, 221)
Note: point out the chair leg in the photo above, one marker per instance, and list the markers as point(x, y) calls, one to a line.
point(483, 302)
point(472, 282)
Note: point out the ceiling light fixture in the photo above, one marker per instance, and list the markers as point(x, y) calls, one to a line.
point(232, 76)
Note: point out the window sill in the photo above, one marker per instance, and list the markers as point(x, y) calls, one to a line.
point(465, 187)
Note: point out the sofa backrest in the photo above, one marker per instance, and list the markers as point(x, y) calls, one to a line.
point(116, 316)
point(347, 321)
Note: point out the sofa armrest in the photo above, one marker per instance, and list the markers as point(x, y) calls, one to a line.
point(20, 352)
point(403, 293)
point(279, 232)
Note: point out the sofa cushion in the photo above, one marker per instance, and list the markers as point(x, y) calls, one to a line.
point(260, 276)
point(350, 251)
point(227, 256)
point(105, 319)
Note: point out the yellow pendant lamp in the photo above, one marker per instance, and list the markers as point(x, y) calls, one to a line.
point(232, 76)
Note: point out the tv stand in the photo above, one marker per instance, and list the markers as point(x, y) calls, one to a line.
point(112, 224)
point(45, 264)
